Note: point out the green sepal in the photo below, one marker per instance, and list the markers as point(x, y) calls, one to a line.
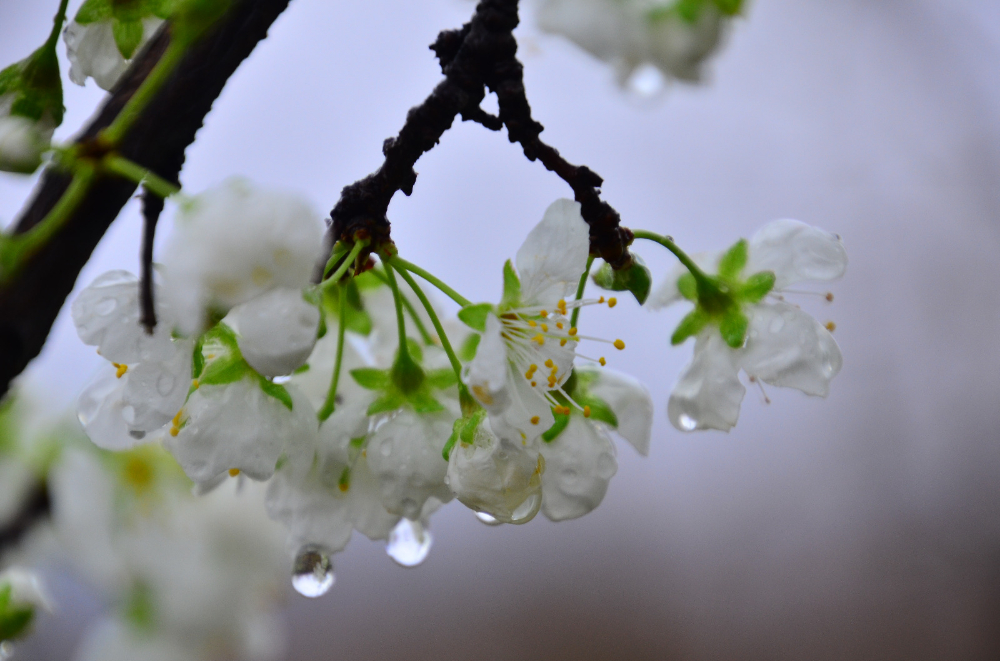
point(599, 410)
point(456, 428)
point(442, 378)
point(733, 328)
point(92, 11)
point(558, 427)
point(276, 390)
point(389, 401)
point(691, 324)
point(301, 369)
point(424, 402)
point(415, 349)
point(371, 378)
point(474, 316)
point(198, 358)
point(227, 365)
point(637, 279)
point(14, 618)
point(757, 286)
point(729, 7)
point(511, 287)
point(468, 349)
point(128, 36)
point(732, 262)
point(224, 370)
point(688, 286)
point(468, 433)
point(140, 608)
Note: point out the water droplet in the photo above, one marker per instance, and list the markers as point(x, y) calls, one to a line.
point(488, 519)
point(137, 434)
point(312, 574)
point(606, 466)
point(527, 510)
point(409, 543)
point(646, 82)
point(165, 384)
point(385, 450)
point(6, 649)
point(105, 306)
point(280, 380)
point(686, 422)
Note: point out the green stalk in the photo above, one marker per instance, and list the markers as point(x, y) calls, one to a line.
point(58, 21)
point(331, 396)
point(404, 350)
point(424, 335)
point(579, 291)
point(703, 279)
point(336, 275)
point(448, 291)
point(140, 175)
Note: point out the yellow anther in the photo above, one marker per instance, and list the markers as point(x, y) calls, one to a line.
point(830, 326)
point(195, 384)
point(535, 420)
point(562, 342)
point(528, 375)
point(549, 363)
point(210, 356)
point(559, 325)
point(572, 331)
point(532, 367)
point(600, 300)
point(586, 411)
point(344, 486)
point(121, 369)
point(555, 370)
point(619, 345)
point(174, 431)
point(482, 395)
point(534, 383)
point(602, 361)
point(545, 328)
point(612, 302)
point(544, 313)
point(538, 338)
point(523, 436)
point(531, 322)
point(233, 472)
point(829, 296)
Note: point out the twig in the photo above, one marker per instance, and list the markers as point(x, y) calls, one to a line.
point(152, 207)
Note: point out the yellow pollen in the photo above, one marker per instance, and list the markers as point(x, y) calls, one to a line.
point(559, 325)
point(210, 356)
point(523, 436)
point(121, 369)
point(233, 472)
point(538, 338)
point(343, 486)
point(600, 300)
point(602, 361)
point(555, 370)
point(830, 326)
point(544, 313)
point(549, 363)
point(195, 384)
point(572, 331)
point(174, 431)
point(534, 420)
point(562, 342)
point(612, 302)
point(545, 328)
point(586, 411)
point(533, 367)
point(532, 323)
point(528, 375)
point(534, 383)
point(829, 296)
point(619, 345)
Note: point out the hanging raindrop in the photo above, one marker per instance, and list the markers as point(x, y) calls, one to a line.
point(488, 519)
point(409, 543)
point(312, 574)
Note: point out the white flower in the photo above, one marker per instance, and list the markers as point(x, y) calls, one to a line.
point(26, 588)
point(277, 330)
point(492, 470)
point(114, 640)
point(527, 347)
point(629, 33)
point(93, 51)
point(238, 427)
point(784, 346)
point(22, 140)
point(233, 243)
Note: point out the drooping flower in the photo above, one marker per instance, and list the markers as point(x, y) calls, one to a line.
point(276, 330)
point(676, 36)
point(744, 323)
point(233, 243)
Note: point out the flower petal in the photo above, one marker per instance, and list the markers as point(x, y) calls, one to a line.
point(709, 392)
point(100, 408)
point(796, 252)
point(277, 330)
point(486, 375)
point(786, 347)
point(630, 402)
point(554, 254)
point(579, 464)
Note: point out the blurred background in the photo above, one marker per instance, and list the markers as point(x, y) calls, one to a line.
point(863, 526)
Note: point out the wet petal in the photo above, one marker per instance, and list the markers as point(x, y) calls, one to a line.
point(709, 392)
point(796, 252)
point(277, 330)
point(579, 464)
point(554, 255)
point(630, 402)
point(486, 375)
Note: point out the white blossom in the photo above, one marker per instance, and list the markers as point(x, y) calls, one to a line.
point(627, 398)
point(93, 52)
point(26, 588)
point(276, 330)
point(22, 140)
point(579, 464)
point(233, 243)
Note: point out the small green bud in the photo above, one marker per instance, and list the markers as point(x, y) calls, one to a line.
point(636, 279)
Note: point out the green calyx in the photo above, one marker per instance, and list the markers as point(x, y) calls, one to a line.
point(36, 86)
point(217, 360)
point(720, 300)
point(406, 383)
point(126, 18)
point(464, 430)
point(637, 279)
point(15, 619)
point(690, 11)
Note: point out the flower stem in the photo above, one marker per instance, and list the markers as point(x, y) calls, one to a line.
point(58, 21)
point(579, 291)
point(404, 350)
point(140, 175)
point(336, 275)
point(409, 308)
point(331, 396)
point(703, 279)
point(445, 343)
point(448, 291)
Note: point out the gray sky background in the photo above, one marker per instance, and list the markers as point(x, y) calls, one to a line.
point(861, 526)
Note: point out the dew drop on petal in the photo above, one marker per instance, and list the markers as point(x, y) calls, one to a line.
point(137, 434)
point(488, 519)
point(281, 380)
point(312, 574)
point(776, 324)
point(646, 82)
point(409, 543)
point(527, 510)
point(686, 422)
point(385, 450)
point(165, 384)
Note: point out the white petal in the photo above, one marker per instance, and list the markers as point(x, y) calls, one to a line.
point(796, 252)
point(312, 510)
point(315, 382)
point(554, 255)
point(679, 48)
point(368, 515)
point(630, 402)
point(709, 392)
point(786, 347)
point(497, 475)
point(93, 52)
point(404, 455)
point(525, 408)
point(156, 390)
point(486, 375)
point(22, 141)
point(26, 588)
point(277, 330)
point(100, 409)
point(579, 464)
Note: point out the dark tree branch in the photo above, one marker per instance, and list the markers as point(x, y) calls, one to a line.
point(481, 55)
point(30, 302)
point(152, 207)
point(35, 508)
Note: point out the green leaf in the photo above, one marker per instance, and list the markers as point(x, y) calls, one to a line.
point(691, 324)
point(228, 369)
point(301, 369)
point(276, 390)
point(389, 401)
point(474, 316)
point(599, 410)
point(732, 263)
point(128, 36)
point(441, 379)
point(558, 427)
point(734, 328)
point(511, 287)
point(636, 279)
point(92, 11)
point(688, 287)
point(371, 378)
point(423, 402)
point(757, 286)
point(468, 349)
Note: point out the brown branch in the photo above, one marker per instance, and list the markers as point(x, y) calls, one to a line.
point(152, 207)
point(35, 508)
point(30, 302)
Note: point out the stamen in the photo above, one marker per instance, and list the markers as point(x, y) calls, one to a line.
point(619, 345)
point(121, 369)
point(559, 324)
point(602, 361)
point(233, 472)
point(562, 342)
point(534, 383)
point(600, 300)
point(544, 314)
point(549, 363)
point(754, 379)
point(586, 411)
point(175, 424)
point(535, 419)
point(195, 384)
point(545, 328)
point(532, 323)
point(612, 302)
point(538, 338)
point(572, 331)
point(830, 326)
